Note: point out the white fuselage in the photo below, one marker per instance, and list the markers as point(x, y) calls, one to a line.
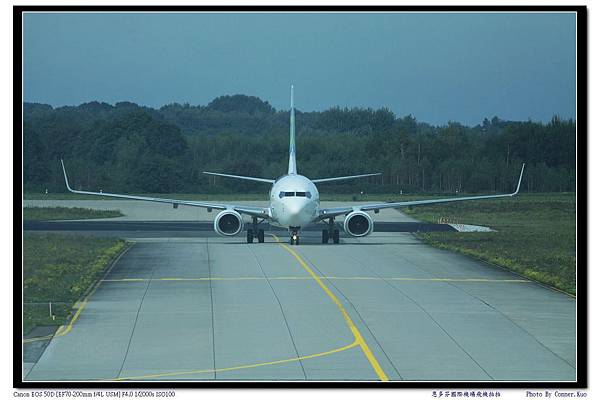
point(293, 201)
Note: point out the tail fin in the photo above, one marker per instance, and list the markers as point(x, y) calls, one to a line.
point(292, 163)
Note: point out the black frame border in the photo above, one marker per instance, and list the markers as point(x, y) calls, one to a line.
point(582, 206)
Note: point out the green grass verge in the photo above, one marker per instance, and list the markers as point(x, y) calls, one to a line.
point(56, 213)
point(60, 269)
point(535, 234)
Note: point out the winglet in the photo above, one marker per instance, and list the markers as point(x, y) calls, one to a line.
point(520, 178)
point(65, 173)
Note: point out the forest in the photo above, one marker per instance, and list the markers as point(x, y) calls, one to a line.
point(128, 148)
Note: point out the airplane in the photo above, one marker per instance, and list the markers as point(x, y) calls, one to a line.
point(293, 203)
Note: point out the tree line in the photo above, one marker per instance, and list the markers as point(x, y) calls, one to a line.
point(135, 149)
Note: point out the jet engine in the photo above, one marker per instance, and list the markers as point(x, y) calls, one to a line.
point(229, 223)
point(358, 223)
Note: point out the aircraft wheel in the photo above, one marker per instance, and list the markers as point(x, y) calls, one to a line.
point(294, 237)
point(325, 237)
point(261, 236)
point(250, 236)
point(336, 236)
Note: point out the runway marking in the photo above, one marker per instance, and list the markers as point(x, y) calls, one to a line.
point(64, 329)
point(358, 338)
point(238, 367)
point(350, 278)
point(358, 342)
point(262, 278)
point(35, 339)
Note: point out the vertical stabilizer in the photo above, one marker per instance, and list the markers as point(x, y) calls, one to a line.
point(292, 163)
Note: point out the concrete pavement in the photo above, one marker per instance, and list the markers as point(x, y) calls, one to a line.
point(376, 308)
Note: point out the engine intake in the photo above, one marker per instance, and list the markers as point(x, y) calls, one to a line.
point(229, 223)
point(358, 223)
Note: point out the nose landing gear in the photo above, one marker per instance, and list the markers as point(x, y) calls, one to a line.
point(294, 236)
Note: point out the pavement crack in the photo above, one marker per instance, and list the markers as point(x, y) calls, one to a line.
point(513, 322)
point(212, 309)
point(441, 327)
point(358, 314)
point(136, 321)
point(282, 312)
point(494, 308)
point(426, 313)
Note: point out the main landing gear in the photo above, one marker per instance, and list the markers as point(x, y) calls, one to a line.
point(259, 233)
point(331, 233)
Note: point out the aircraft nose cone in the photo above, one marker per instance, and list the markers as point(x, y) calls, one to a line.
point(295, 208)
point(298, 213)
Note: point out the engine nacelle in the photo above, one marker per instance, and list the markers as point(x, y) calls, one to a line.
point(358, 223)
point(229, 223)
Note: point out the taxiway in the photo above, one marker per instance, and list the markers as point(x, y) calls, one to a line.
point(385, 307)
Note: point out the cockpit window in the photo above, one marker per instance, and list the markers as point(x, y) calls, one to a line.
point(295, 194)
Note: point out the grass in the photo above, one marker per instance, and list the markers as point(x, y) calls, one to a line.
point(60, 269)
point(57, 213)
point(535, 234)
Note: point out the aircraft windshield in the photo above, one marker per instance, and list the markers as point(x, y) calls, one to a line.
point(295, 194)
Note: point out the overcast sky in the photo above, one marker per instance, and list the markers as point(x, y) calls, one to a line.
point(437, 67)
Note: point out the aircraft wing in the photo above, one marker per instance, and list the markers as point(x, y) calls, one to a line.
point(335, 211)
point(342, 178)
point(249, 210)
point(248, 178)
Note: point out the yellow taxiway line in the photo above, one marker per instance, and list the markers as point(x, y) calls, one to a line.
point(349, 278)
point(64, 329)
point(357, 335)
point(238, 367)
point(358, 338)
